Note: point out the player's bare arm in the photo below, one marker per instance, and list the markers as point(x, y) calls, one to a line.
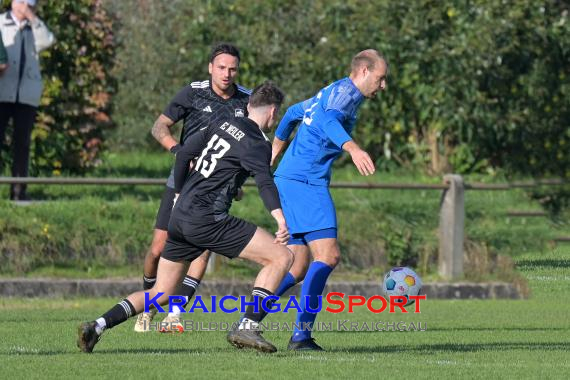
point(288, 123)
point(361, 159)
point(161, 132)
point(277, 148)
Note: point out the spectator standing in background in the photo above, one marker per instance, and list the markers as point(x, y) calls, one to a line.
point(24, 36)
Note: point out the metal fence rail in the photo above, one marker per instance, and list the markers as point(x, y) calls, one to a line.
point(517, 185)
point(154, 182)
point(338, 185)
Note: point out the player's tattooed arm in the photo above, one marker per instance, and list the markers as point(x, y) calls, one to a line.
point(161, 132)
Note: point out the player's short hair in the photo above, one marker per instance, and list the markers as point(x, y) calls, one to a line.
point(367, 58)
point(266, 94)
point(224, 48)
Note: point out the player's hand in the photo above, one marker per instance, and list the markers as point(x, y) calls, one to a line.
point(239, 195)
point(363, 162)
point(282, 234)
point(3, 67)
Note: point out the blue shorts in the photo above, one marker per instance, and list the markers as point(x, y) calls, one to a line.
point(307, 208)
point(305, 238)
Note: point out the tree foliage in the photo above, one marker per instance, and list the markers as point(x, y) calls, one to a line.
point(474, 85)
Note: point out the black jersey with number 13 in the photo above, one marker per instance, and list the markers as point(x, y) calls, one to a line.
point(226, 154)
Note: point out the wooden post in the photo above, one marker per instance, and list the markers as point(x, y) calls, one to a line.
point(451, 228)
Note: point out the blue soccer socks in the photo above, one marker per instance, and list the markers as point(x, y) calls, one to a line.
point(287, 282)
point(313, 287)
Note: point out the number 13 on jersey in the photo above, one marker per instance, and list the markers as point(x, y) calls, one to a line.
point(205, 167)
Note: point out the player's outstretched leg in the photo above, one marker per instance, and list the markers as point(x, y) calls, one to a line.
point(326, 254)
point(168, 277)
point(276, 260)
point(171, 323)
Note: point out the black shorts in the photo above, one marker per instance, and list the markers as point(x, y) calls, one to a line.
point(165, 209)
point(187, 240)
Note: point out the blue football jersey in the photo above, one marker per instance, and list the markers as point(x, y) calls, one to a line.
point(327, 121)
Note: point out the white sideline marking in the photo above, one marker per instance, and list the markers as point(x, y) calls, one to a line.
point(23, 350)
point(549, 278)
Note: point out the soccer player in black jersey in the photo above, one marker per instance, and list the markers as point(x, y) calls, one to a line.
point(226, 153)
point(198, 104)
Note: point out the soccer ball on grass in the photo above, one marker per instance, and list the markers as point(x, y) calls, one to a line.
point(402, 281)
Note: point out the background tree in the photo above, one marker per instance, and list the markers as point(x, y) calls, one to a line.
point(474, 86)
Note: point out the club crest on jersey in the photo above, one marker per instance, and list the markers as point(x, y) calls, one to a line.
point(239, 112)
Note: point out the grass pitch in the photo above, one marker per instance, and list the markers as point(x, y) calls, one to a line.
point(464, 339)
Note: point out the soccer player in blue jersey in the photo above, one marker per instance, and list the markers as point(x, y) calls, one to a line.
point(326, 122)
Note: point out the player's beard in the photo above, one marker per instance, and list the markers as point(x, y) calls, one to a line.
point(223, 86)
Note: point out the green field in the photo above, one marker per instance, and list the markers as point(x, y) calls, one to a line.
point(464, 339)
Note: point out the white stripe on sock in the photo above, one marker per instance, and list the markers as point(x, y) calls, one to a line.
point(126, 307)
point(259, 293)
